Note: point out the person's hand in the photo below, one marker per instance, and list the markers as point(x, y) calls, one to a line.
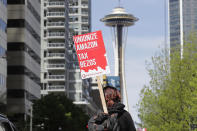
point(101, 117)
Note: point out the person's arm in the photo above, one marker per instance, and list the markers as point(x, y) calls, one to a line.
point(128, 121)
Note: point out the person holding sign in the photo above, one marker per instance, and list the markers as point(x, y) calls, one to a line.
point(117, 118)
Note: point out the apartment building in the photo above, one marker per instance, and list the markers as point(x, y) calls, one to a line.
point(60, 73)
point(54, 46)
point(79, 23)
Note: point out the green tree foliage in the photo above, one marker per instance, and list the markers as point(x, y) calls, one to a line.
point(169, 102)
point(56, 112)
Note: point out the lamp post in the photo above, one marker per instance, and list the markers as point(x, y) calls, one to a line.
point(31, 117)
point(119, 21)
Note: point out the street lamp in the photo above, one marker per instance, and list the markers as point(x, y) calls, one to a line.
point(60, 128)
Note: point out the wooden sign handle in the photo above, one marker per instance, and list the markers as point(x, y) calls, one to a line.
point(102, 95)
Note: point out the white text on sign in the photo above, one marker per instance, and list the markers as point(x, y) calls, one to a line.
point(84, 38)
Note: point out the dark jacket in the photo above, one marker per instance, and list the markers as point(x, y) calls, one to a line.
point(124, 118)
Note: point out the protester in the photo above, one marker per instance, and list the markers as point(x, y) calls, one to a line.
point(117, 118)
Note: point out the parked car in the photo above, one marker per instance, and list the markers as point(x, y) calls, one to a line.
point(5, 124)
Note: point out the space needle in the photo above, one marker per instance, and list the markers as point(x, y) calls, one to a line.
point(119, 21)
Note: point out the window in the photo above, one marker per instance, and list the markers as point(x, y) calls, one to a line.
point(20, 23)
point(22, 70)
point(4, 2)
point(3, 25)
point(16, 23)
point(19, 46)
point(16, 2)
point(2, 80)
point(173, 0)
point(16, 93)
point(2, 52)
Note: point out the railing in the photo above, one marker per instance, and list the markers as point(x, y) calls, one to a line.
point(73, 4)
point(73, 20)
point(84, 28)
point(85, 5)
point(73, 12)
point(56, 34)
point(56, 45)
point(56, 66)
point(84, 13)
point(56, 55)
point(55, 4)
point(56, 77)
point(55, 14)
point(84, 20)
point(56, 87)
point(55, 24)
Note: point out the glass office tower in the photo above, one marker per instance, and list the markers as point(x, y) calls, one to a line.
point(3, 48)
point(182, 20)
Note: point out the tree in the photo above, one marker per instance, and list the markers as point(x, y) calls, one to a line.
point(56, 112)
point(169, 102)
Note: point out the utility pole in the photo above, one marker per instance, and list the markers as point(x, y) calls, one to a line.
point(31, 116)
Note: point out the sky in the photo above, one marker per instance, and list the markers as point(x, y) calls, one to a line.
point(143, 41)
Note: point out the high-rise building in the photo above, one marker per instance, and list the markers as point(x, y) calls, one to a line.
point(79, 23)
point(23, 56)
point(3, 48)
point(182, 20)
point(60, 73)
point(54, 46)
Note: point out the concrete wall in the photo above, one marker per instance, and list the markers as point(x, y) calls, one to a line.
point(27, 81)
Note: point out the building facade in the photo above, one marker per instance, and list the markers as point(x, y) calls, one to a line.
point(79, 23)
point(60, 73)
point(54, 46)
point(3, 48)
point(23, 57)
point(182, 20)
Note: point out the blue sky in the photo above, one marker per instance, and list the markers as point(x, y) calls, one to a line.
point(143, 40)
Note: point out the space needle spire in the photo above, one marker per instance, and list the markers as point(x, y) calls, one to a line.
point(119, 20)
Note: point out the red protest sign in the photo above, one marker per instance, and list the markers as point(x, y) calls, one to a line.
point(91, 54)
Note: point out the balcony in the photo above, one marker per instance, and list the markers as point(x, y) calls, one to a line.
point(73, 13)
point(85, 28)
point(56, 45)
point(73, 4)
point(85, 21)
point(73, 20)
point(57, 88)
point(55, 5)
point(84, 5)
point(55, 15)
point(84, 13)
point(56, 56)
point(56, 35)
point(56, 66)
point(56, 25)
point(56, 78)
